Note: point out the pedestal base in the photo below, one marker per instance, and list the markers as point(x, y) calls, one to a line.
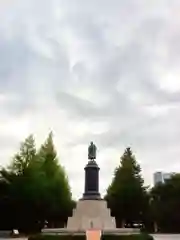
point(93, 195)
point(91, 214)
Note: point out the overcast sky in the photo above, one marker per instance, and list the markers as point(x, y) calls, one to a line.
point(101, 70)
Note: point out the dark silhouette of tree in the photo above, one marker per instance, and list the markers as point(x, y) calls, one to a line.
point(126, 195)
point(165, 204)
point(34, 188)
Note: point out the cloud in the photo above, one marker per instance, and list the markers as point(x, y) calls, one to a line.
point(102, 71)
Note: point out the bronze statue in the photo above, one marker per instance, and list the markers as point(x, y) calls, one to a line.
point(92, 151)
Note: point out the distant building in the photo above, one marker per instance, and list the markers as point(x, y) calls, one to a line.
point(160, 177)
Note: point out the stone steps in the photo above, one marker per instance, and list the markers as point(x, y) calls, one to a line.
point(91, 214)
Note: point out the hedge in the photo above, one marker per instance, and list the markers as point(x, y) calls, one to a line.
point(127, 237)
point(83, 237)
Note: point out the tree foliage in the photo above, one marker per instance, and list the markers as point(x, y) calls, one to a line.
point(126, 195)
point(24, 157)
point(34, 188)
point(165, 203)
point(58, 194)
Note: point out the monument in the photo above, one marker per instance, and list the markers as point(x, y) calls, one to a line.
point(91, 188)
point(91, 211)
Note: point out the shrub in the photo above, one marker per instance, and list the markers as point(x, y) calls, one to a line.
point(57, 237)
point(83, 237)
point(127, 237)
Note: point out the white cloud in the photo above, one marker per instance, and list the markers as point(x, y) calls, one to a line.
point(106, 71)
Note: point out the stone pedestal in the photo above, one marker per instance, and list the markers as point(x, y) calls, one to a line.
point(91, 189)
point(91, 214)
point(91, 211)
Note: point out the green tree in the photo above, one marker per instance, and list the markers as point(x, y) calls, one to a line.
point(34, 188)
point(21, 186)
point(58, 200)
point(24, 157)
point(6, 179)
point(126, 195)
point(165, 204)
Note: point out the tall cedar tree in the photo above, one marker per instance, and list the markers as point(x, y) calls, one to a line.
point(126, 196)
point(58, 200)
point(34, 188)
point(21, 188)
point(24, 157)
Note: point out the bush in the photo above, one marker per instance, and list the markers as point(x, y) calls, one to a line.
point(127, 237)
point(57, 237)
point(83, 237)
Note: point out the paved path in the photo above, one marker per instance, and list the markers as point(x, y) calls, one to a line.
point(96, 235)
point(93, 235)
point(23, 238)
point(166, 236)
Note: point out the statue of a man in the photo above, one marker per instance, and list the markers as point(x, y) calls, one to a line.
point(92, 151)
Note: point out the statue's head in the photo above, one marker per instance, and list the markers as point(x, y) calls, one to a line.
point(91, 143)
